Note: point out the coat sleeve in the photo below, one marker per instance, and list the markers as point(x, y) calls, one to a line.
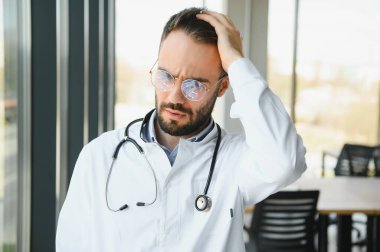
point(73, 224)
point(274, 154)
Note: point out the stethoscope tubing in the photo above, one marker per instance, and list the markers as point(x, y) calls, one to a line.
point(141, 151)
point(214, 156)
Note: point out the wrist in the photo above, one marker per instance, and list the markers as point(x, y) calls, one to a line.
point(232, 60)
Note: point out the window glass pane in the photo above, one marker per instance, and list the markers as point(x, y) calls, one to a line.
point(137, 41)
point(338, 73)
point(280, 48)
point(8, 144)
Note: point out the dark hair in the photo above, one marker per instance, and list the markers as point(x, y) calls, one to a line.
point(187, 21)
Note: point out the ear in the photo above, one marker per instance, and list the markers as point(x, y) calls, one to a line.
point(223, 86)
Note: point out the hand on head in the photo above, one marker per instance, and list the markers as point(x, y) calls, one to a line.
point(229, 38)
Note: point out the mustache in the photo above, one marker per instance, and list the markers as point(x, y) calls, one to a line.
point(176, 106)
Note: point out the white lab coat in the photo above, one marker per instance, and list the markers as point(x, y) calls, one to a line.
point(249, 167)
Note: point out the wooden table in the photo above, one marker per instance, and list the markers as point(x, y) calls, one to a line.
point(345, 196)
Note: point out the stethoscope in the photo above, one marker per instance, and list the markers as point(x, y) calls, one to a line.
point(202, 201)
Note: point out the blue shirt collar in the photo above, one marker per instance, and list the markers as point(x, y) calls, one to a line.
point(148, 134)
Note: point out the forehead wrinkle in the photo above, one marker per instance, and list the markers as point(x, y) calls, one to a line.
point(182, 56)
point(200, 79)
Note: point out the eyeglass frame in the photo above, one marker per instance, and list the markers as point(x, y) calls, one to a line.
point(225, 74)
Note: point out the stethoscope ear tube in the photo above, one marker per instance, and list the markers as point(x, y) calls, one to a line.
point(115, 155)
point(116, 152)
point(127, 139)
point(135, 144)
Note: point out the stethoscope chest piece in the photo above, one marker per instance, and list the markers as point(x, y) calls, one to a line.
point(202, 203)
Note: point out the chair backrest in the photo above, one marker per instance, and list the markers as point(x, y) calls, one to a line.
point(285, 221)
point(354, 160)
point(376, 159)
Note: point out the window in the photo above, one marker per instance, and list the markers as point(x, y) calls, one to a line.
point(280, 48)
point(337, 71)
point(8, 144)
point(15, 125)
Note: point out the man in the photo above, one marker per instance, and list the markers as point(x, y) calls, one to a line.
point(175, 181)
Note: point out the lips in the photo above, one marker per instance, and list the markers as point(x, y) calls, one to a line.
point(174, 114)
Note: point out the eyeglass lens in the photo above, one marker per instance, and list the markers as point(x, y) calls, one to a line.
point(191, 89)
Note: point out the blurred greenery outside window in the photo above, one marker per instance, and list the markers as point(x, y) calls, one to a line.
point(8, 142)
point(337, 71)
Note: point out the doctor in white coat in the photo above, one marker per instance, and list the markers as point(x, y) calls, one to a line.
point(175, 181)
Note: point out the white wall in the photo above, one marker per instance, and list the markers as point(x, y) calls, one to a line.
point(251, 17)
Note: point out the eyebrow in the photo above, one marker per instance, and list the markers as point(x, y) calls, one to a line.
point(200, 79)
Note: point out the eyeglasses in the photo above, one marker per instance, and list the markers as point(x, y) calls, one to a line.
point(193, 90)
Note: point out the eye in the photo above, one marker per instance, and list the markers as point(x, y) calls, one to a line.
point(193, 90)
point(162, 80)
point(163, 75)
point(191, 85)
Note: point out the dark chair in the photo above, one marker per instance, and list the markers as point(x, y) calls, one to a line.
point(285, 221)
point(354, 160)
point(376, 159)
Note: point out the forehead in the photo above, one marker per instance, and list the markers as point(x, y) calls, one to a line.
point(182, 55)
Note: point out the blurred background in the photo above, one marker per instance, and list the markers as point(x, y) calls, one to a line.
point(72, 69)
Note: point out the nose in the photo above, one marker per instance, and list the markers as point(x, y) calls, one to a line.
point(175, 94)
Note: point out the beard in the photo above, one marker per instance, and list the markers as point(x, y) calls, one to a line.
point(197, 119)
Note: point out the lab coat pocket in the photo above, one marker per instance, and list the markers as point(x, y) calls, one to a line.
point(212, 222)
point(217, 218)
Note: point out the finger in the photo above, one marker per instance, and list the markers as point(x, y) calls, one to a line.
point(209, 18)
point(220, 23)
point(221, 17)
point(219, 26)
point(212, 21)
point(224, 19)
